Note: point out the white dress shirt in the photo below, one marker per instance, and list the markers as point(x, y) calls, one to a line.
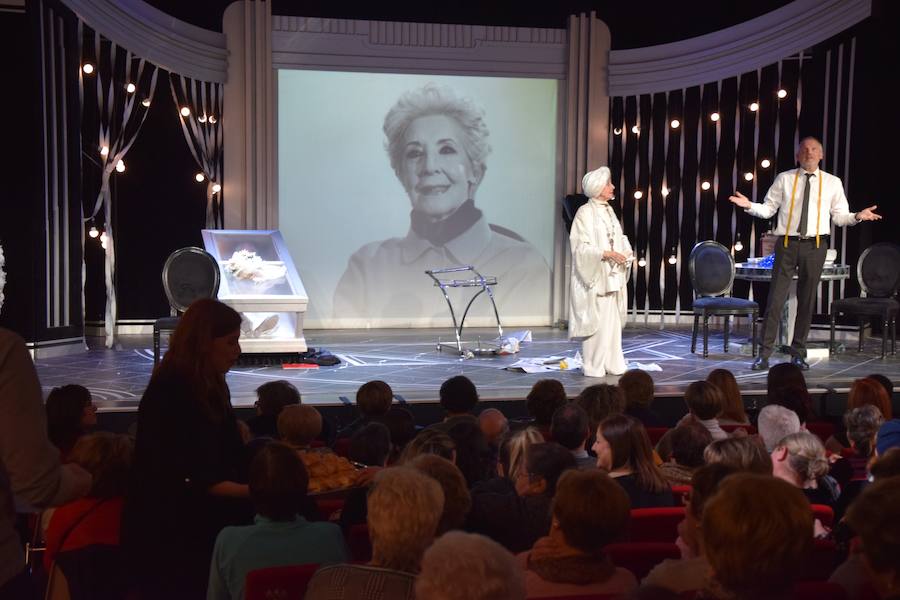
point(833, 207)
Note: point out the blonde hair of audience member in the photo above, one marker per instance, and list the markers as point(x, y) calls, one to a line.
point(516, 447)
point(468, 566)
point(757, 531)
point(875, 517)
point(774, 423)
point(457, 500)
point(589, 510)
point(868, 391)
point(743, 453)
point(732, 402)
point(429, 441)
point(800, 459)
point(404, 510)
point(299, 425)
point(107, 457)
point(623, 448)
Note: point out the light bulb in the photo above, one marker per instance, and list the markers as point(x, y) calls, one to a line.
point(213, 119)
point(103, 244)
point(104, 150)
point(675, 123)
point(765, 163)
point(638, 194)
point(665, 191)
point(93, 232)
point(754, 106)
point(103, 238)
point(617, 131)
point(185, 111)
point(748, 176)
point(120, 166)
point(145, 102)
point(130, 88)
point(216, 188)
point(635, 129)
point(88, 68)
point(738, 246)
point(199, 177)
point(782, 93)
point(714, 117)
point(642, 262)
point(202, 118)
point(673, 259)
point(705, 185)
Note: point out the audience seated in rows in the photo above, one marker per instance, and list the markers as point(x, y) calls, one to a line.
point(799, 459)
point(402, 426)
point(429, 441)
point(494, 426)
point(875, 517)
point(623, 450)
point(279, 536)
point(691, 572)
point(569, 429)
point(458, 397)
point(473, 456)
point(405, 508)
point(588, 511)
point(457, 500)
point(733, 412)
point(774, 423)
point(600, 401)
point(638, 389)
point(786, 386)
point(704, 402)
point(70, 414)
point(373, 401)
point(545, 397)
point(743, 453)
point(271, 398)
point(756, 533)
point(516, 518)
point(370, 445)
point(681, 450)
point(468, 566)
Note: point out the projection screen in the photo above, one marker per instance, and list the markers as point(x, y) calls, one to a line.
point(382, 176)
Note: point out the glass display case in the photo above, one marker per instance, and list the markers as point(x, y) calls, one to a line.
point(259, 280)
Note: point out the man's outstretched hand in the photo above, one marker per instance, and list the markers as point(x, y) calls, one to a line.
point(868, 214)
point(741, 200)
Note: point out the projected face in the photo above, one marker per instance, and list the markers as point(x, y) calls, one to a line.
point(436, 171)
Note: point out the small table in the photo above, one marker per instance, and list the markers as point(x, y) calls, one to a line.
point(477, 280)
point(752, 271)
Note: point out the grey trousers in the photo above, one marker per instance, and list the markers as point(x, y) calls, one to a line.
point(802, 258)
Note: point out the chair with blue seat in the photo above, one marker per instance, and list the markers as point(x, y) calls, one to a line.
point(878, 272)
point(711, 267)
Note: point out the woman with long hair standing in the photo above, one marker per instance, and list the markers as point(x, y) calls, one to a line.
point(188, 458)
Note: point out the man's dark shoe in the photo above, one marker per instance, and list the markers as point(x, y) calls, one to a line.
point(760, 364)
point(800, 362)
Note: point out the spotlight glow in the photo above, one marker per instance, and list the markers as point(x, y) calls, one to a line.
point(617, 131)
point(120, 166)
point(642, 262)
point(705, 185)
point(92, 232)
point(216, 188)
point(782, 93)
point(754, 106)
point(714, 117)
point(145, 102)
point(202, 118)
point(103, 244)
point(665, 191)
point(103, 238)
point(675, 124)
point(88, 68)
point(638, 194)
point(199, 177)
point(185, 111)
point(738, 246)
point(213, 119)
point(635, 129)
point(104, 150)
point(673, 259)
point(748, 176)
point(130, 88)
point(765, 163)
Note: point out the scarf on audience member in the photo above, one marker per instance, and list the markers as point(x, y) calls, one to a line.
point(558, 563)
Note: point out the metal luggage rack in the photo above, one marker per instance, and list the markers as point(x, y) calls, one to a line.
point(467, 349)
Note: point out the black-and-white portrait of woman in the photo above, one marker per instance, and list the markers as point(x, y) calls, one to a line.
point(438, 145)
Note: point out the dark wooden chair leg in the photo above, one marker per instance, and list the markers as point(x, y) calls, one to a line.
point(831, 335)
point(705, 334)
point(694, 333)
point(727, 323)
point(753, 334)
point(862, 328)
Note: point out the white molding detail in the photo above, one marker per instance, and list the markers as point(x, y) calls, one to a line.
point(732, 51)
point(399, 47)
point(157, 37)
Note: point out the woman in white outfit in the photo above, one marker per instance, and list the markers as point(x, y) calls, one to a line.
point(601, 259)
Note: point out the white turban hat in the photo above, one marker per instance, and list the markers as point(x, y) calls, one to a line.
point(594, 182)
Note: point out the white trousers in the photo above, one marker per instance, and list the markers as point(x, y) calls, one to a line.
point(601, 353)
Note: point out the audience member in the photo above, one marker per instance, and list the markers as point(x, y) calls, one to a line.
point(271, 398)
point(299, 425)
point(402, 425)
point(704, 401)
point(638, 389)
point(545, 397)
point(457, 500)
point(494, 426)
point(733, 412)
point(886, 383)
point(800, 460)
point(429, 441)
point(70, 414)
point(373, 401)
point(29, 461)
point(886, 465)
point(569, 429)
point(623, 450)
point(186, 479)
point(686, 443)
point(600, 401)
point(691, 571)
point(756, 533)
point(861, 425)
point(458, 397)
point(405, 508)
point(467, 566)
point(774, 423)
point(888, 436)
point(279, 536)
point(589, 511)
point(473, 456)
point(875, 517)
point(743, 453)
point(786, 386)
point(871, 391)
point(370, 445)
point(517, 520)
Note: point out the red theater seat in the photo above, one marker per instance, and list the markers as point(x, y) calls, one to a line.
point(750, 429)
point(822, 429)
point(681, 493)
point(655, 433)
point(655, 524)
point(342, 447)
point(823, 513)
point(359, 544)
point(288, 583)
point(641, 557)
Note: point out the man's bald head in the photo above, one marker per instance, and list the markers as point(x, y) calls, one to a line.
point(494, 425)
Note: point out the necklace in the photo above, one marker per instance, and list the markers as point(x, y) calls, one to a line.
point(607, 223)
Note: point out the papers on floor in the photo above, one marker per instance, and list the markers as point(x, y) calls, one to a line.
point(644, 366)
point(509, 343)
point(546, 364)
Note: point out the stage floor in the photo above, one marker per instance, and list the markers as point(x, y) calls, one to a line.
point(409, 361)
